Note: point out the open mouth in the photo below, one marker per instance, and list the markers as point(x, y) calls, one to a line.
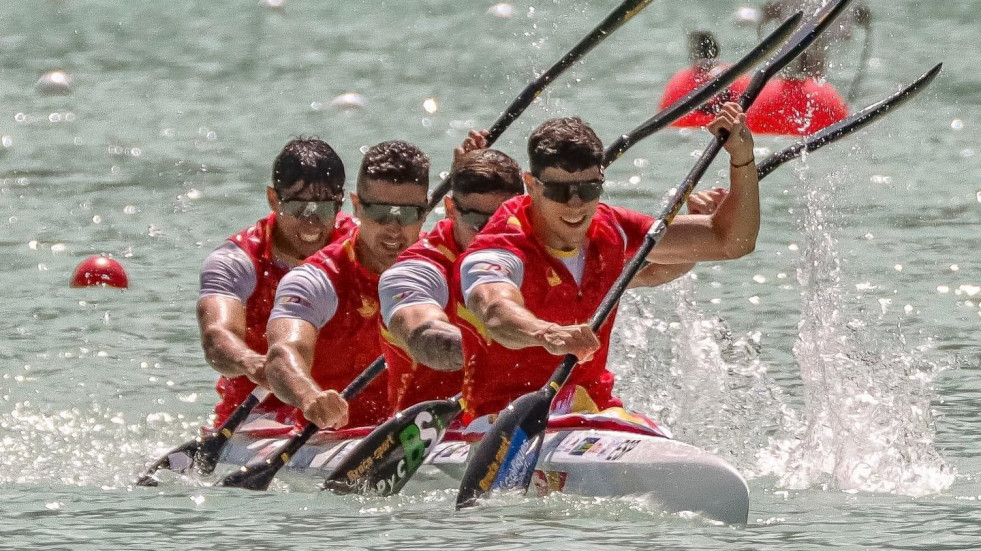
point(395, 246)
point(312, 236)
point(574, 220)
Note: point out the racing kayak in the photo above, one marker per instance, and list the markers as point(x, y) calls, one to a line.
point(583, 454)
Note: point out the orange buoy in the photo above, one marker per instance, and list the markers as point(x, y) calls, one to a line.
point(99, 271)
point(795, 107)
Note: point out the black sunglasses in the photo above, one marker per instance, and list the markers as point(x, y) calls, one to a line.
point(563, 192)
point(473, 218)
point(325, 210)
point(386, 213)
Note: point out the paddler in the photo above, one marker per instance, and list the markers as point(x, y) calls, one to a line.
point(324, 328)
point(422, 347)
point(703, 53)
point(542, 265)
point(239, 279)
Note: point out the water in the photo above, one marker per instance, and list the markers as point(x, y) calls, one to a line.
point(836, 366)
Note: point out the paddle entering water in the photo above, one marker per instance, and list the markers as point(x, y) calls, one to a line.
point(623, 13)
point(507, 454)
point(376, 463)
point(259, 474)
point(202, 452)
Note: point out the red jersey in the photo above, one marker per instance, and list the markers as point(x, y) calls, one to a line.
point(256, 242)
point(495, 375)
point(410, 382)
point(350, 340)
point(795, 107)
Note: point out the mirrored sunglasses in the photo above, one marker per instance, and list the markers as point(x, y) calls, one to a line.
point(386, 213)
point(562, 192)
point(473, 218)
point(324, 210)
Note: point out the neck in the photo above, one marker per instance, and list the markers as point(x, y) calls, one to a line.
point(366, 259)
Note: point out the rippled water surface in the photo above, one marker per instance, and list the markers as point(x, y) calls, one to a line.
point(836, 366)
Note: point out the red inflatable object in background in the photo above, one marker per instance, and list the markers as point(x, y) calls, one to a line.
point(794, 107)
point(685, 81)
point(99, 271)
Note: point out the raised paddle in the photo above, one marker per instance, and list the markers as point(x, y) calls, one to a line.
point(386, 459)
point(849, 125)
point(202, 452)
point(507, 454)
point(623, 13)
point(259, 474)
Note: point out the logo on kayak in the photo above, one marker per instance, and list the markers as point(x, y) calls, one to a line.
point(584, 446)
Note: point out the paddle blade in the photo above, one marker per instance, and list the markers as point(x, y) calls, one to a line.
point(506, 456)
point(178, 460)
point(386, 459)
point(255, 476)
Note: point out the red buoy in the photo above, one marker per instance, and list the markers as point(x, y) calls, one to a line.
point(99, 271)
point(685, 81)
point(795, 107)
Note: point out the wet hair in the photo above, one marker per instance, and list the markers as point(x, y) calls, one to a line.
point(397, 162)
point(702, 45)
point(311, 161)
point(565, 143)
point(486, 171)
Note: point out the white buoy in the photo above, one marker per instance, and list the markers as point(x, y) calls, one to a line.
point(54, 83)
point(274, 4)
point(348, 100)
point(502, 10)
point(746, 16)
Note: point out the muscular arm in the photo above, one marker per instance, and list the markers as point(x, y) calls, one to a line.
point(731, 231)
point(428, 335)
point(500, 307)
point(222, 323)
point(288, 369)
point(659, 274)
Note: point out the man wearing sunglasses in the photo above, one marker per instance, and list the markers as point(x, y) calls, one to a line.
point(325, 327)
point(534, 276)
point(422, 348)
point(239, 279)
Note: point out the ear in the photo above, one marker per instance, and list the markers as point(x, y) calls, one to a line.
point(449, 206)
point(355, 204)
point(272, 199)
point(530, 186)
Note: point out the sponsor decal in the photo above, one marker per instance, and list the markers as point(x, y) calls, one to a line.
point(546, 482)
point(495, 466)
point(292, 299)
point(622, 449)
point(584, 446)
point(399, 297)
point(491, 267)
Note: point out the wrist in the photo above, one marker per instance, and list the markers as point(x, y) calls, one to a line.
point(734, 164)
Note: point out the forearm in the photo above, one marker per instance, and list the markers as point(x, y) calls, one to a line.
point(289, 377)
point(659, 274)
point(437, 344)
point(737, 221)
point(512, 325)
point(228, 354)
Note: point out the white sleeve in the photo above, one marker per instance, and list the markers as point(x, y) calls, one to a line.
point(228, 272)
point(490, 266)
point(408, 283)
point(305, 293)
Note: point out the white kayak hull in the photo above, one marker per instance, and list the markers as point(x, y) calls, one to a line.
point(603, 463)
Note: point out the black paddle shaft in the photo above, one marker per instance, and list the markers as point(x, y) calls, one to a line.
point(849, 125)
point(797, 44)
point(258, 475)
point(623, 13)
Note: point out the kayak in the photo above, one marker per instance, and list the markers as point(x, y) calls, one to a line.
point(579, 456)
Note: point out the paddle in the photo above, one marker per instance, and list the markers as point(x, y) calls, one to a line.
point(863, 59)
point(849, 125)
point(202, 452)
point(257, 475)
point(703, 93)
point(623, 13)
point(507, 454)
point(387, 458)
point(376, 463)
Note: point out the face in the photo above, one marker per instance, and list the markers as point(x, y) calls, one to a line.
point(391, 217)
point(470, 213)
point(563, 204)
point(305, 220)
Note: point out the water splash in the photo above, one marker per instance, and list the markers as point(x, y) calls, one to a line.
point(866, 423)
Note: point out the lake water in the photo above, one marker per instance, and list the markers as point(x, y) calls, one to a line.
point(836, 367)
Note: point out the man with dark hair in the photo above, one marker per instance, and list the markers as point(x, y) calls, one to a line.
point(324, 328)
point(239, 279)
point(534, 276)
point(422, 347)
